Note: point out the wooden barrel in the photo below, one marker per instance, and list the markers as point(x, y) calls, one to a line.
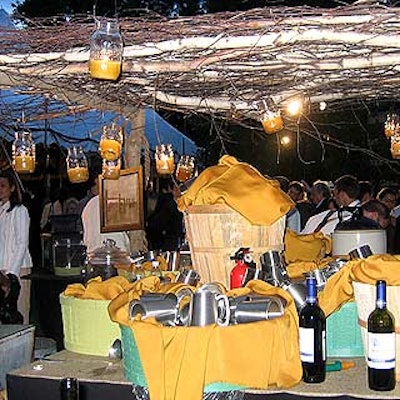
point(216, 232)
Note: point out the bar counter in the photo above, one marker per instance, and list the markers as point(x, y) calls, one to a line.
point(102, 378)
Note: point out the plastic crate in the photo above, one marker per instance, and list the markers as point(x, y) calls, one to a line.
point(343, 334)
point(16, 348)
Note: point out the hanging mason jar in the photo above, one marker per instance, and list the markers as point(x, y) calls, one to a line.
point(185, 168)
point(270, 118)
point(392, 125)
point(77, 165)
point(111, 142)
point(165, 163)
point(106, 49)
point(395, 146)
point(23, 150)
point(111, 169)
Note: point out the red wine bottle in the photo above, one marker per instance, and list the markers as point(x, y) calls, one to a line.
point(69, 389)
point(312, 336)
point(381, 351)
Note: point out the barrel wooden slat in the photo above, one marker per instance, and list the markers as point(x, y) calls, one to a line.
point(215, 232)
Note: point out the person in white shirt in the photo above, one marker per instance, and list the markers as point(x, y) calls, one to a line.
point(346, 191)
point(14, 237)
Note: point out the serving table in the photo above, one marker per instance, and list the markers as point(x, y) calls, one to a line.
point(102, 378)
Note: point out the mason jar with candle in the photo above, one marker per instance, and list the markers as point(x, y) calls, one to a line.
point(23, 150)
point(111, 169)
point(271, 118)
point(106, 49)
point(395, 146)
point(185, 168)
point(165, 163)
point(77, 165)
point(392, 125)
point(111, 142)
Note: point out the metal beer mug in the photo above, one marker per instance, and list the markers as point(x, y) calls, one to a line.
point(208, 308)
point(361, 252)
point(260, 309)
point(189, 276)
point(164, 308)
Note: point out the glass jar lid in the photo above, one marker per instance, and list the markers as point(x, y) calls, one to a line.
point(109, 254)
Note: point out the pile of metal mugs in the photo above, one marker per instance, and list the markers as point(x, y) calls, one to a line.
point(273, 271)
point(207, 305)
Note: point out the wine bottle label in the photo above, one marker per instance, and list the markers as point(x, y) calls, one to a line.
point(306, 344)
point(381, 350)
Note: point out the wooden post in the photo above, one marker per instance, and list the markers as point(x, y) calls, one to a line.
point(136, 150)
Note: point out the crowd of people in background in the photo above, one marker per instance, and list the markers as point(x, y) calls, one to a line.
point(319, 207)
point(345, 204)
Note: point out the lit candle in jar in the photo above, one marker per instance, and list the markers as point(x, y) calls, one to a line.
point(395, 148)
point(78, 174)
point(165, 163)
point(185, 168)
point(110, 149)
point(24, 164)
point(272, 122)
point(105, 69)
point(111, 169)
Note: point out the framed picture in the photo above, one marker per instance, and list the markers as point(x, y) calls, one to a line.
point(121, 202)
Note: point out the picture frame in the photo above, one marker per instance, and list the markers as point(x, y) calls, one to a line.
point(121, 202)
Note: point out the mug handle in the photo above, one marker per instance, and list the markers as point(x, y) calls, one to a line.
point(224, 299)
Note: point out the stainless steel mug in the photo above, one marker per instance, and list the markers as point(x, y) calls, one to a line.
point(258, 310)
point(164, 309)
point(189, 276)
point(298, 291)
point(361, 252)
point(208, 308)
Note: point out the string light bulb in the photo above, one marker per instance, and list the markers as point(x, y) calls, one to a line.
point(295, 106)
point(285, 140)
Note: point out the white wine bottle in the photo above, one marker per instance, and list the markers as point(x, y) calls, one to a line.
point(381, 351)
point(312, 329)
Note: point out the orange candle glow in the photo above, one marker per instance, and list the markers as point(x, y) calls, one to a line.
point(272, 123)
point(183, 174)
point(165, 165)
point(105, 69)
point(24, 164)
point(78, 174)
point(110, 149)
point(395, 149)
point(111, 171)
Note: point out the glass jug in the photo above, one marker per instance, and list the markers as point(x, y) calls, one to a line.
point(23, 150)
point(111, 142)
point(77, 165)
point(106, 49)
point(165, 163)
point(185, 168)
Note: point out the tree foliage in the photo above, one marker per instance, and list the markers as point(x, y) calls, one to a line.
point(45, 8)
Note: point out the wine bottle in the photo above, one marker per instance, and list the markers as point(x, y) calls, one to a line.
point(381, 351)
point(312, 336)
point(69, 389)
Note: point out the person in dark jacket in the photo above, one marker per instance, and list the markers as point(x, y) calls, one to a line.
point(165, 224)
point(320, 195)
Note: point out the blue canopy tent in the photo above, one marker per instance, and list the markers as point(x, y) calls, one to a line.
point(53, 122)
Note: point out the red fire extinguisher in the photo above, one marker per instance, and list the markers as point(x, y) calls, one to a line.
point(243, 261)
